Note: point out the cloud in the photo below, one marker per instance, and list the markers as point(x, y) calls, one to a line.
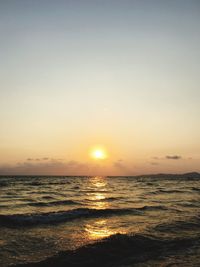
point(37, 159)
point(154, 163)
point(119, 165)
point(175, 157)
point(45, 167)
point(123, 168)
point(156, 158)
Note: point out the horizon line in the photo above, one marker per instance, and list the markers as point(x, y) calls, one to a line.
point(138, 175)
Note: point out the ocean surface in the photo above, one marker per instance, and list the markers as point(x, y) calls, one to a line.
point(100, 221)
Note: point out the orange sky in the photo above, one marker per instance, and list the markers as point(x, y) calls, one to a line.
point(123, 75)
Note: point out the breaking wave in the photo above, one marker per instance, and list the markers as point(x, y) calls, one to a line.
point(54, 203)
point(16, 220)
point(116, 250)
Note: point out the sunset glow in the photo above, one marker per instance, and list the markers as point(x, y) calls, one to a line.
point(98, 91)
point(99, 154)
point(99, 137)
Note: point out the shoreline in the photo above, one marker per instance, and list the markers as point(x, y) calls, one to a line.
point(115, 250)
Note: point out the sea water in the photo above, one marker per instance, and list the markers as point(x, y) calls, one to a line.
point(154, 220)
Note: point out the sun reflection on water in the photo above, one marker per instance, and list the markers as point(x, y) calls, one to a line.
point(98, 229)
point(97, 196)
point(98, 181)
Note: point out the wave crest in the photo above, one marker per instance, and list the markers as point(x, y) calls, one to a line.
point(57, 217)
point(116, 250)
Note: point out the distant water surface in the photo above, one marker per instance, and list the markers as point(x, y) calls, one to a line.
point(41, 216)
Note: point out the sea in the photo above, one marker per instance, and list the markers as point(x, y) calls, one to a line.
point(150, 220)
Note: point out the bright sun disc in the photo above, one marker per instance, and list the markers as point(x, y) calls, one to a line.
point(98, 154)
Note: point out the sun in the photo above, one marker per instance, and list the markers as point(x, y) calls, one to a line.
point(98, 153)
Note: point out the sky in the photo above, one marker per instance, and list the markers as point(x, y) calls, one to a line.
point(122, 75)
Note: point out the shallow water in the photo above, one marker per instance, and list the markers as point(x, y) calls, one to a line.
point(41, 216)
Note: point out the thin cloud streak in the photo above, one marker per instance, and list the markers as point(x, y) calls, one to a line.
point(51, 167)
point(175, 157)
point(168, 157)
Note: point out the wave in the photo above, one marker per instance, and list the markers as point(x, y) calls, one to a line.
point(95, 191)
point(3, 184)
point(194, 204)
point(54, 203)
point(36, 183)
point(171, 191)
point(166, 191)
point(57, 217)
point(151, 208)
point(107, 199)
point(192, 224)
point(117, 250)
point(17, 220)
point(196, 189)
point(47, 197)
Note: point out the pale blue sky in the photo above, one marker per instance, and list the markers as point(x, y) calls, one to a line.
point(124, 74)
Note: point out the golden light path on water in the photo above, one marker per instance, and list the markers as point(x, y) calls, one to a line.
point(98, 228)
point(98, 184)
